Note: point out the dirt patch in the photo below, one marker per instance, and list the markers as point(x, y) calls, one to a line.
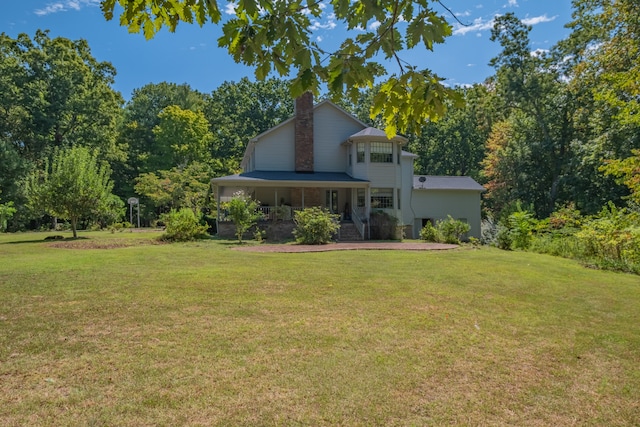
point(349, 246)
point(103, 243)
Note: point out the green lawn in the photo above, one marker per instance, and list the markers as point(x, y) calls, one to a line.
point(136, 334)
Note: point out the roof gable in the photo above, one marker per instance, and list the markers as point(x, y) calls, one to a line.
point(290, 122)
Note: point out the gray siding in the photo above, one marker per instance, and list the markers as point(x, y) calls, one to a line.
point(437, 204)
point(275, 151)
point(331, 129)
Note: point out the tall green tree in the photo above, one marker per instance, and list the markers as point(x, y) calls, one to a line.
point(182, 136)
point(532, 91)
point(56, 94)
point(276, 37)
point(74, 186)
point(455, 144)
point(238, 111)
point(600, 61)
point(141, 116)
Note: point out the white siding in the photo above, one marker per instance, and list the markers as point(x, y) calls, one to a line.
point(275, 151)
point(331, 127)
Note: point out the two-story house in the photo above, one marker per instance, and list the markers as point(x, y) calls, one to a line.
point(324, 156)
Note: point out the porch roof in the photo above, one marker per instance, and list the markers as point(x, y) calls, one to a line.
point(290, 179)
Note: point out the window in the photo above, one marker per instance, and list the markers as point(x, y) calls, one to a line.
point(360, 196)
point(381, 152)
point(360, 152)
point(382, 198)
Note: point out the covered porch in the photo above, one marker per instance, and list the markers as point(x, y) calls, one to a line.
point(280, 194)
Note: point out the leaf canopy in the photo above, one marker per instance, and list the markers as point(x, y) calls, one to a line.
point(276, 37)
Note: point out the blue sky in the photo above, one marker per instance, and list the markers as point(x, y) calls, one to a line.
point(191, 54)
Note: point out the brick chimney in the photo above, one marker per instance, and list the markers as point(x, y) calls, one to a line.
point(304, 133)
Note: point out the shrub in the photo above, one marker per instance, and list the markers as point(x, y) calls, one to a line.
point(429, 233)
point(489, 232)
point(383, 226)
point(520, 225)
point(315, 226)
point(242, 210)
point(182, 226)
point(503, 238)
point(452, 230)
point(612, 239)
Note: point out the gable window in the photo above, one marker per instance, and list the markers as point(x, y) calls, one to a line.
point(382, 198)
point(360, 152)
point(381, 152)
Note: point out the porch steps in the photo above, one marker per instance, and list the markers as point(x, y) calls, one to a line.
point(348, 232)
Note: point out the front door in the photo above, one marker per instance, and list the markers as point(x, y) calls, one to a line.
point(331, 201)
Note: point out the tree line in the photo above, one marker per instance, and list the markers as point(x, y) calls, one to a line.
point(547, 130)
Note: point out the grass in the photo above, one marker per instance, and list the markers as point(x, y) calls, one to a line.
point(196, 334)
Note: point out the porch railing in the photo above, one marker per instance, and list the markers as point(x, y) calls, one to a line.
point(359, 223)
point(269, 213)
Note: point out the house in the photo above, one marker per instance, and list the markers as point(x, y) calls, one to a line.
point(324, 156)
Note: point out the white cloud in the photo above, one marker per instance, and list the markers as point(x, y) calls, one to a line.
point(316, 25)
point(539, 52)
point(230, 9)
point(538, 19)
point(64, 6)
point(479, 24)
point(319, 39)
point(374, 25)
point(463, 14)
point(512, 3)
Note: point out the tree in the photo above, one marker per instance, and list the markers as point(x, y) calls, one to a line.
point(535, 103)
point(604, 43)
point(75, 185)
point(276, 37)
point(454, 145)
point(238, 111)
point(56, 94)
point(140, 118)
point(627, 171)
point(600, 61)
point(242, 210)
point(182, 137)
point(13, 169)
point(6, 212)
point(180, 187)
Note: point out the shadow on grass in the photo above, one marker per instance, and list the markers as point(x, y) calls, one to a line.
point(65, 239)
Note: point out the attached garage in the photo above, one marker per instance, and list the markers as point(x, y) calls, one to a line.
point(434, 198)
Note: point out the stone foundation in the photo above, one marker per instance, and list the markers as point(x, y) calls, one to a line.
point(275, 230)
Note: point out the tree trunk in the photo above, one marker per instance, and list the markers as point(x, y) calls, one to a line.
point(74, 225)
